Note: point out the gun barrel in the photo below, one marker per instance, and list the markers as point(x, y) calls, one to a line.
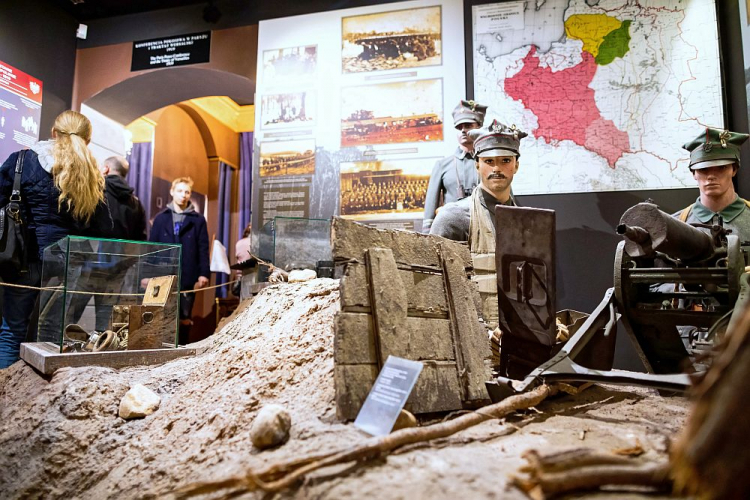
point(633, 233)
point(665, 233)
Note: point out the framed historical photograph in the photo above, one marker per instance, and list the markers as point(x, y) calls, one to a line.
point(392, 113)
point(290, 66)
point(287, 110)
point(385, 189)
point(287, 158)
point(391, 40)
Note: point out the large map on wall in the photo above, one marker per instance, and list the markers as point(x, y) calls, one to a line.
point(608, 90)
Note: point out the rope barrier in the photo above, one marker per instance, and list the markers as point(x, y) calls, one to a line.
point(60, 287)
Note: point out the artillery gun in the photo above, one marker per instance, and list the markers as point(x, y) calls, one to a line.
point(669, 278)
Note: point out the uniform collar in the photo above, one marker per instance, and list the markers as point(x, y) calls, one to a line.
point(728, 214)
point(461, 154)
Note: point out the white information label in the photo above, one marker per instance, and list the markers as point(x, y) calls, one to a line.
point(498, 17)
point(388, 396)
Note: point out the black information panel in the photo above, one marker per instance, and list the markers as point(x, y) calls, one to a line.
point(173, 51)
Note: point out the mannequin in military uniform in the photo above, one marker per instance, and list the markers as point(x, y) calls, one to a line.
point(454, 177)
point(714, 161)
point(472, 219)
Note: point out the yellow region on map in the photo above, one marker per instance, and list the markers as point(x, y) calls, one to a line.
point(590, 29)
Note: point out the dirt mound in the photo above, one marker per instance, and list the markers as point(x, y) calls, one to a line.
point(62, 438)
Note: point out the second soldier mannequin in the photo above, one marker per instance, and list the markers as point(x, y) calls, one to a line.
point(455, 176)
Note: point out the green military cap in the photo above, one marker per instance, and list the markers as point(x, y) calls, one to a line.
point(497, 140)
point(714, 148)
point(469, 111)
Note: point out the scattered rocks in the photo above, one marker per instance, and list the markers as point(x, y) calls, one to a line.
point(138, 402)
point(270, 427)
point(405, 419)
point(299, 275)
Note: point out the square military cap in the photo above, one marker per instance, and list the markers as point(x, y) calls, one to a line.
point(467, 112)
point(714, 148)
point(497, 140)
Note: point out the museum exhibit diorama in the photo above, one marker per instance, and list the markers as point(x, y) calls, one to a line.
point(393, 249)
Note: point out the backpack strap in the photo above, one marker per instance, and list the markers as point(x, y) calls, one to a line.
point(686, 212)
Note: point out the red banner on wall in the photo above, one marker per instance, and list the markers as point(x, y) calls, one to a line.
point(20, 83)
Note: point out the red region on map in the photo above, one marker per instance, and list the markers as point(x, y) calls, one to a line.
point(565, 107)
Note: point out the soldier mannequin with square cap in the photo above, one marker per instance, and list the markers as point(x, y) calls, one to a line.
point(714, 161)
point(472, 219)
point(454, 177)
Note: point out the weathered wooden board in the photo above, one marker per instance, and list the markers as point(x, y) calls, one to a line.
point(389, 305)
point(354, 340)
point(407, 295)
point(430, 339)
point(352, 383)
point(424, 292)
point(437, 389)
point(350, 240)
point(469, 337)
point(46, 357)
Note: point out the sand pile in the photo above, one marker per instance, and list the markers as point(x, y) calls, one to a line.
point(62, 438)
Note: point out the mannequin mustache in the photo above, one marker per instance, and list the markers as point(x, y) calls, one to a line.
point(496, 175)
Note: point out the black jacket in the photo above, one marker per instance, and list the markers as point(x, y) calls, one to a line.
point(128, 215)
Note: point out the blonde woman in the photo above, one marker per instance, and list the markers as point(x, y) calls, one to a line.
point(62, 193)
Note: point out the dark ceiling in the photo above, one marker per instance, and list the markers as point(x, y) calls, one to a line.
point(89, 10)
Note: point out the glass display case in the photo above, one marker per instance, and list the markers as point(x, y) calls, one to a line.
point(108, 295)
point(295, 243)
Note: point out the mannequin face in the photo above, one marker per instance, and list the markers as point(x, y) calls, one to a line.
point(496, 173)
point(463, 135)
point(715, 182)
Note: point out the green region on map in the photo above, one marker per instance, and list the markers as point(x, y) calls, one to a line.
point(615, 44)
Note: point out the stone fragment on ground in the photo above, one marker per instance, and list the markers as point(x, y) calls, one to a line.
point(405, 420)
point(270, 427)
point(138, 402)
point(299, 275)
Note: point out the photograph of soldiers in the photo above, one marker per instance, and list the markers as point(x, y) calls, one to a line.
point(390, 40)
point(287, 109)
point(290, 65)
point(392, 113)
point(395, 189)
point(287, 158)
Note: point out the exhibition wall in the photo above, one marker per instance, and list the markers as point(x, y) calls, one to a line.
point(39, 39)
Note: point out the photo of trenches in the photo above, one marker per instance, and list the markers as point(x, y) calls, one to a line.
point(392, 40)
point(392, 113)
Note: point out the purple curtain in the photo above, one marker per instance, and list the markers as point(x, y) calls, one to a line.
point(246, 180)
point(139, 175)
point(225, 211)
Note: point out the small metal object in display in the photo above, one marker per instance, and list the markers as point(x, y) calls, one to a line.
point(157, 290)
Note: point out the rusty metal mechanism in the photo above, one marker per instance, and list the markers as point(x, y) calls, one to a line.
point(667, 275)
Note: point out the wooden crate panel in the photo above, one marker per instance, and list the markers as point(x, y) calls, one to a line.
point(354, 341)
point(437, 389)
point(430, 339)
point(469, 336)
point(350, 241)
point(352, 384)
point(424, 292)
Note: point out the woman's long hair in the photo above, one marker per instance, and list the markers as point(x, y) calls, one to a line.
point(75, 170)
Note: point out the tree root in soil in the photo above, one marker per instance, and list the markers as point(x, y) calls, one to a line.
point(283, 475)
